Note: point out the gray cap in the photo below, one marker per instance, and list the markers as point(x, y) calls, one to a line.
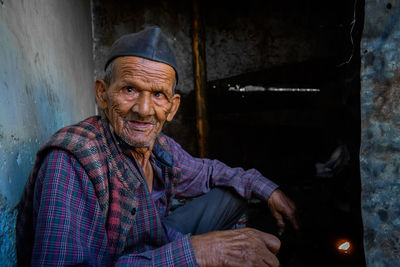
point(149, 43)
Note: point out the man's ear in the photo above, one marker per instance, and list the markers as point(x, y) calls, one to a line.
point(100, 87)
point(176, 101)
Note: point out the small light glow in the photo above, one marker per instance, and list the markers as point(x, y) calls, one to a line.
point(344, 246)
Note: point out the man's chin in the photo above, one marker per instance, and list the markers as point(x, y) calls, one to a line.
point(138, 143)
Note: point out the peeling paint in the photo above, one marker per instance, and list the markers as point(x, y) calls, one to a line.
point(46, 76)
point(387, 98)
point(380, 145)
point(7, 234)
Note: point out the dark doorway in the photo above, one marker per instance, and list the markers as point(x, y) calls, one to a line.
point(295, 118)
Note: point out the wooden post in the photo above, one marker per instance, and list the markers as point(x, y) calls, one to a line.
point(200, 81)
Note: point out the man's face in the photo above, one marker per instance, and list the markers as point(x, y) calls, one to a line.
point(139, 99)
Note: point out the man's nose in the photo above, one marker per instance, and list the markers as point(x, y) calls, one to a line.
point(144, 105)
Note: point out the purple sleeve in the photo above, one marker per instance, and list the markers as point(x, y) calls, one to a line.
point(199, 175)
point(177, 253)
point(69, 226)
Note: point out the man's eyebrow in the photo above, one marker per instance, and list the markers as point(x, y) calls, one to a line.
point(125, 82)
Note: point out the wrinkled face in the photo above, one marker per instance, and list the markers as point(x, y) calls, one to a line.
point(139, 99)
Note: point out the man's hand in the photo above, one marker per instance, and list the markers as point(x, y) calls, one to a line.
point(241, 247)
point(283, 208)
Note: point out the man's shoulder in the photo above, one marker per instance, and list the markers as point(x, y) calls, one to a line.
point(167, 143)
point(81, 135)
point(88, 127)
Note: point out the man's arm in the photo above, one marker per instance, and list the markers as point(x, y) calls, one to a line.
point(199, 175)
point(69, 226)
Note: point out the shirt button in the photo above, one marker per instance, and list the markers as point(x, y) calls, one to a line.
point(133, 211)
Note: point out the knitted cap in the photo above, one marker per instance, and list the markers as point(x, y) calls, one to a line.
point(149, 43)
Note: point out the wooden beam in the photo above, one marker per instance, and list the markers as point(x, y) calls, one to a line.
point(200, 81)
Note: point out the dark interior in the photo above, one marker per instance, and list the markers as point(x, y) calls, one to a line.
point(289, 118)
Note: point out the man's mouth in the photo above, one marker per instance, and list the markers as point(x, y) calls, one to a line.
point(139, 125)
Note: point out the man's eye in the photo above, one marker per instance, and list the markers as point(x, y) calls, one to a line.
point(158, 94)
point(128, 89)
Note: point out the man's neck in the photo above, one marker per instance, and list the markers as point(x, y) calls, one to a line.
point(142, 155)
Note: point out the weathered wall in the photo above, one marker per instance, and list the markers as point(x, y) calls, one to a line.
point(380, 148)
point(46, 75)
point(254, 35)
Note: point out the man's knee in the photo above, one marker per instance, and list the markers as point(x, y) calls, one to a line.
point(218, 209)
point(226, 198)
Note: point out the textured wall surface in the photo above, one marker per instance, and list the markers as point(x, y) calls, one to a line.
point(256, 35)
point(46, 75)
point(380, 148)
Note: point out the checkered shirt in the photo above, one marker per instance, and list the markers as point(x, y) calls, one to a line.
point(87, 203)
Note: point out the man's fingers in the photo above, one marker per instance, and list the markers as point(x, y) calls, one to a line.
point(274, 245)
point(271, 261)
point(241, 247)
point(279, 222)
point(282, 206)
point(295, 221)
point(271, 242)
point(268, 253)
point(292, 216)
point(258, 256)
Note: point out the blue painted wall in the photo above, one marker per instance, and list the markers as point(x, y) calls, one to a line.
point(380, 139)
point(46, 81)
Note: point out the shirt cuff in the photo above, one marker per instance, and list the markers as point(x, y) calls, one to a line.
point(262, 188)
point(177, 253)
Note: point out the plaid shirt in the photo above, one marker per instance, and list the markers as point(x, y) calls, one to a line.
point(87, 202)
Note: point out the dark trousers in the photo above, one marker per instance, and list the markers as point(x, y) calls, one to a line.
point(219, 209)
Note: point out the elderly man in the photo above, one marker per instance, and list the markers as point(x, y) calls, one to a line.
point(100, 192)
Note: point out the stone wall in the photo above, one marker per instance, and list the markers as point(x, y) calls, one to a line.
point(46, 81)
point(380, 139)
